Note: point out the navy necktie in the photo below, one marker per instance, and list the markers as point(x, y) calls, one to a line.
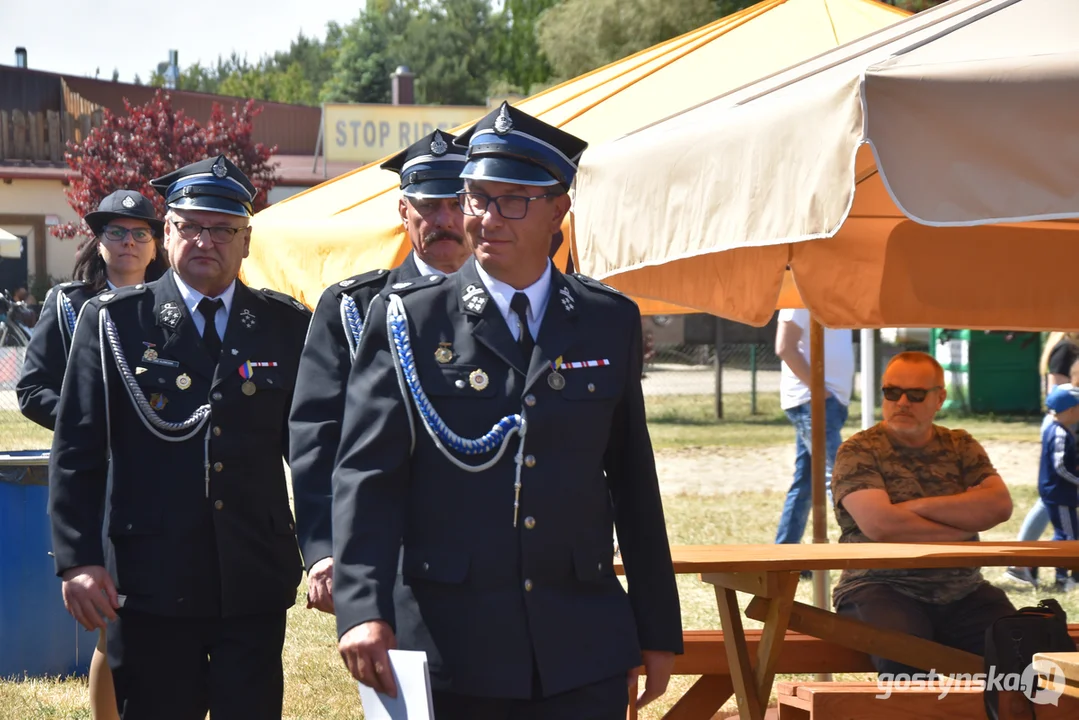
point(208, 309)
point(519, 305)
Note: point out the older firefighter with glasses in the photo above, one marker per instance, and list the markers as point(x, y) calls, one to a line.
point(430, 172)
point(909, 480)
point(173, 424)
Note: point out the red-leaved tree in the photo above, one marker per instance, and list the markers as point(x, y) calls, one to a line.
point(151, 140)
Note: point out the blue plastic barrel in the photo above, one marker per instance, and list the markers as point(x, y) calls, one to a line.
point(37, 635)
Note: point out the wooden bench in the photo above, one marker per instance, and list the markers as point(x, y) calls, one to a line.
point(860, 701)
point(801, 654)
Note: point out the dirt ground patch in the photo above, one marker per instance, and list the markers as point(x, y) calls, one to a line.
point(716, 471)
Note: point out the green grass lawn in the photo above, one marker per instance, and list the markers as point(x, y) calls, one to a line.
point(318, 688)
point(18, 433)
point(680, 421)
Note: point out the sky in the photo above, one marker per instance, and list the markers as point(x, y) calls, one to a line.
point(77, 37)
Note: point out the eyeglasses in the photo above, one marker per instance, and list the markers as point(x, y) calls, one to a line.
point(915, 395)
point(220, 234)
point(511, 207)
point(115, 233)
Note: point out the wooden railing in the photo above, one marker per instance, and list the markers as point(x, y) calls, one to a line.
point(42, 136)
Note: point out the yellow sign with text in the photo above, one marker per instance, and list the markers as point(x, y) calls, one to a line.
point(368, 132)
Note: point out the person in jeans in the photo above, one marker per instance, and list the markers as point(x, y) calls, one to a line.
point(792, 347)
point(908, 480)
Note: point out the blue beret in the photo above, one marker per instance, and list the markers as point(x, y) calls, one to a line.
point(430, 167)
point(509, 145)
point(213, 185)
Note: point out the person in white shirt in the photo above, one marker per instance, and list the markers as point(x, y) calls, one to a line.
point(792, 347)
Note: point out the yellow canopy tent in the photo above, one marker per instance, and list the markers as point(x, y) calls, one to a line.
point(350, 224)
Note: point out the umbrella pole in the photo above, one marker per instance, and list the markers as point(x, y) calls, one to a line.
point(818, 395)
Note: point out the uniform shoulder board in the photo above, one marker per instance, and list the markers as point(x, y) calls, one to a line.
point(111, 297)
point(367, 279)
point(597, 285)
point(406, 286)
point(71, 284)
point(287, 300)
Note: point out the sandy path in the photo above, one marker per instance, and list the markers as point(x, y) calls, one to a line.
point(714, 471)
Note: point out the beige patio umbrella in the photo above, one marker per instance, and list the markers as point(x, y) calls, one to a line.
point(934, 164)
point(924, 175)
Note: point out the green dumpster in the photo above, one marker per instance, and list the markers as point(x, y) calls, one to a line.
point(989, 372)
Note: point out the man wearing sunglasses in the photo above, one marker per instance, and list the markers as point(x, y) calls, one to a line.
point(909, 480)
point(494, 428)
point(172, 423)
point(430, 171)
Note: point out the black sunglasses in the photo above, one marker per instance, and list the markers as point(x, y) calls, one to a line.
point(915, 395)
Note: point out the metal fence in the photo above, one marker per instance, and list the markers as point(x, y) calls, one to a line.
point(746, 372)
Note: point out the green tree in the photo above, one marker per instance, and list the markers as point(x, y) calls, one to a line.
point(448, 45)
point(581, 35)
point(370, 48)
point(519, 62)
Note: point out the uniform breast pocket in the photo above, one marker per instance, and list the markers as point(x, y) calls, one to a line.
point(459, 381)
point(269, 380)
point(171, 392)
point(591, 384)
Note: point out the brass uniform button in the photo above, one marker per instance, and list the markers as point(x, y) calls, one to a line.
point(218, 467)
point(528, 586)
point(530, 400)
point(530, 461)
point(530, 522)
point(217, 431)
point(218, 505)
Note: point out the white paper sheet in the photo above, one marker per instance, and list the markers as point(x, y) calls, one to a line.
point(413, 701)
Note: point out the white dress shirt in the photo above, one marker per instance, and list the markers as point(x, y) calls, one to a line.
point(191, 300)
point(537, 294)
point(424, 268)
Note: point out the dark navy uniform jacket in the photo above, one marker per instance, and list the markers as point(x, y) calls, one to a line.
point(496, 602)
point(42, 376)
point(319, 404)
point(199, 526)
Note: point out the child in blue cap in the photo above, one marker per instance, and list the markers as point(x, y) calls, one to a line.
point(1058, 474)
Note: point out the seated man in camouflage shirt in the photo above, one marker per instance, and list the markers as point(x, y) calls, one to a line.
point(908, 480)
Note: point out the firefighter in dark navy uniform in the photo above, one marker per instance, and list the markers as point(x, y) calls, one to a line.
point(495, 426)
point(430, 172)
point(125, 250)
point(172, 425)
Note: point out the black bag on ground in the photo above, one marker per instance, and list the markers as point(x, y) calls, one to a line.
point(1012, 640)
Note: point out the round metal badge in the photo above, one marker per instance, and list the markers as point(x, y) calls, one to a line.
point(444, 354)
point(183, 381)
point(478, 380)
point(556, 380)
point(248, 388)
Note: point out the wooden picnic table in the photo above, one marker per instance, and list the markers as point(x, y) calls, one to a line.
point(770, 573)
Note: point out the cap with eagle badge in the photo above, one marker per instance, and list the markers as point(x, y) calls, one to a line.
point(124, 204)
point(213, 185)
point(430, 167)
point(511, 146)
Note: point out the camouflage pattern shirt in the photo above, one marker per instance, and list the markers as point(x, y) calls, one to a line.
point(952, 462)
